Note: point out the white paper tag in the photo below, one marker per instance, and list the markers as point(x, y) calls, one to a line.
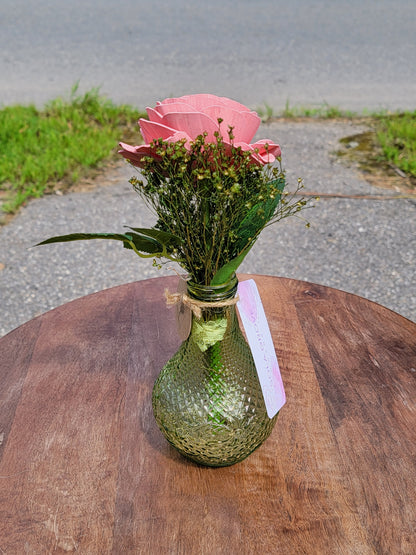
point(260, 341)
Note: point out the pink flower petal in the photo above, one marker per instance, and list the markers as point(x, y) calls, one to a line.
point(202, 100)
point(259, 153)
point(180, 136)
point(256, 159)
point(152, 130)
point(154, 115)
point(135, 154)
point(192, 123)
point(163, 109)
point(245, 124)
point(234, 104)
point(272, 148)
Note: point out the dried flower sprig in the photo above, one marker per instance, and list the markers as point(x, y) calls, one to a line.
point(214, 200)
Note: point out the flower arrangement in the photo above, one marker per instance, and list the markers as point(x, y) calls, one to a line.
point(212, 190)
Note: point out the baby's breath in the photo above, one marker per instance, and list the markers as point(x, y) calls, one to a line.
point(214, 198)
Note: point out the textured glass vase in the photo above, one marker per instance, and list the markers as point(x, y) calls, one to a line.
point(207, 400)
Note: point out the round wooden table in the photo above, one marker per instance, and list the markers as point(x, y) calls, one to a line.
point(84, 467)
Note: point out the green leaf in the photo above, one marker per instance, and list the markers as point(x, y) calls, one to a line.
point(162, 237)
point(224, 274)
point(145, 244)
point(247, 232)
point(83, 237)
point(141, 243)
point(257, 217)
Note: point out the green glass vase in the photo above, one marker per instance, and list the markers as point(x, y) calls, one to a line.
point(207, 400)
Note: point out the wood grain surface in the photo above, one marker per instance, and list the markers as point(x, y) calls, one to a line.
point(84, 468)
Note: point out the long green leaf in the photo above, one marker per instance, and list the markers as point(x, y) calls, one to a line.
point(258, 216)
point(224, 274)
point(162, 237)
point(84, 237)
point(145, 244)
point(248, 231)
point(142, 244)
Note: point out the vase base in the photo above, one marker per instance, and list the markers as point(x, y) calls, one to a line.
point(231, 449)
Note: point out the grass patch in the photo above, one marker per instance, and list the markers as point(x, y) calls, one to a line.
point(63, 141)
point(323, 111)
point(386, 149)
point(396, 135)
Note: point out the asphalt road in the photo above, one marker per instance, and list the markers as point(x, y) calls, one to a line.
point(354, 54)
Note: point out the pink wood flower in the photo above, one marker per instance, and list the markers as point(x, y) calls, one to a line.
point(188, 116)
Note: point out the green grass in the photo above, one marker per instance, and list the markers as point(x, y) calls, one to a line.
point(61, 142)
point(323, 111)
point(396, 134)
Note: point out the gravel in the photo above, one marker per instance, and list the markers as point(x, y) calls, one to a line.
point(363, 246)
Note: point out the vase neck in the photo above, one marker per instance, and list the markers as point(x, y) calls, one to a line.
point(215, 301)
point(213, 293)
point(217, 312)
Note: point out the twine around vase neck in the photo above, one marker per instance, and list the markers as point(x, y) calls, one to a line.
point(194, 305)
